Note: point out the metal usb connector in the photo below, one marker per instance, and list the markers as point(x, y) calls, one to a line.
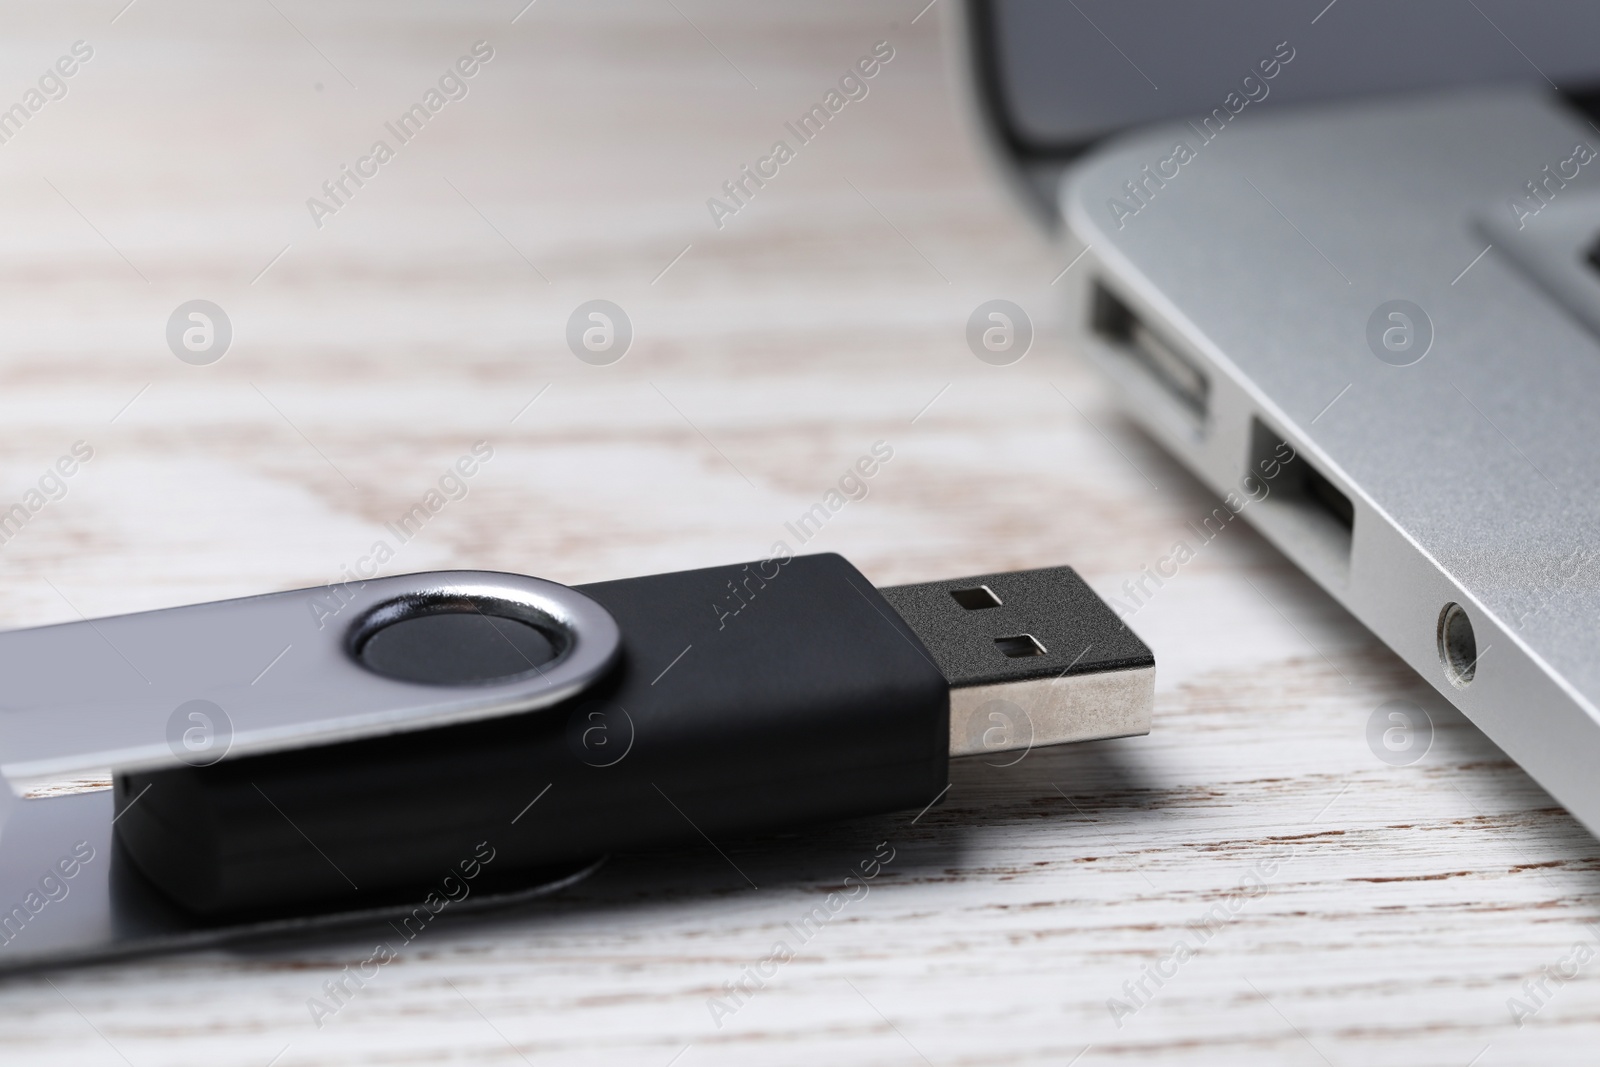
point(1033, 658)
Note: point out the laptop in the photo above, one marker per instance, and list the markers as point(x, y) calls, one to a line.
point(1350, 252)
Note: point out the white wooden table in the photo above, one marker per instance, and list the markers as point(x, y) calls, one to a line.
point(1369, 913)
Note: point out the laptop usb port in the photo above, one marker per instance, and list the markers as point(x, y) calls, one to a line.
point(1131, 336)
point(1301, 504)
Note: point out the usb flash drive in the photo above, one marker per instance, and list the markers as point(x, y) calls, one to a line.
point(738, 699)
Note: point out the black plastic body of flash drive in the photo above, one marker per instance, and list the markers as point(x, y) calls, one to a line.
point(803, 696)
point(814, 701)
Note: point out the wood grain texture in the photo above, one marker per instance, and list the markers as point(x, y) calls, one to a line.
point(1381, 915)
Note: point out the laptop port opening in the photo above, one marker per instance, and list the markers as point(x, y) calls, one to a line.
point(1131, 336)
point(1301, 505)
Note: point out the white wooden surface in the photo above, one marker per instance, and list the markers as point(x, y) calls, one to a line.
point(1400, 908)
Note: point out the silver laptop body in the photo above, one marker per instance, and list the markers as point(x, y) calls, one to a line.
point(1380, 305)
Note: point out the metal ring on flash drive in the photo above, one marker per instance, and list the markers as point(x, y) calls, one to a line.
point(484, 633)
